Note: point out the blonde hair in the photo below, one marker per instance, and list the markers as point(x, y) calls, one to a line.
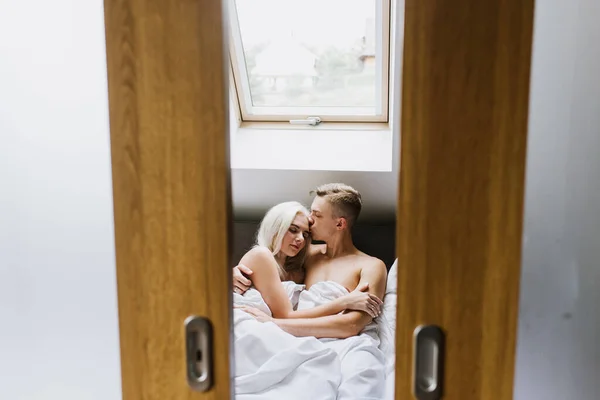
point(273, 228)
point(346, 200)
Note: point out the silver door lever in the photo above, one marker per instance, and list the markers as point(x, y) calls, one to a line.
point(198, 349)
point(428, 375)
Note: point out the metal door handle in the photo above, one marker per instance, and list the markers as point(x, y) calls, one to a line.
point(428, 375)
point(198, 349)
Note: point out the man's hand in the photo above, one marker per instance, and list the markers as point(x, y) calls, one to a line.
point(360, 300)
point(346, 324)
point(240, 282)
point(256, 313)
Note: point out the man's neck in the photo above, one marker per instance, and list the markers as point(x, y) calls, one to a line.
point(340, 245)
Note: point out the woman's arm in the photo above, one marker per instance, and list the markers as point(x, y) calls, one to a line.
point(265, 277)
point(345, 325)
point(359, 299)
point(333, 326)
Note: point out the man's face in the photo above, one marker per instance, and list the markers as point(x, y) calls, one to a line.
point(325, 224)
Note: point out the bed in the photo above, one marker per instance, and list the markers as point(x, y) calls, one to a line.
point(271, 364)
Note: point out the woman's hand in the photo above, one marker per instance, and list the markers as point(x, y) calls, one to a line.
point(240, 282)
point(256, 313)
point(360, 300)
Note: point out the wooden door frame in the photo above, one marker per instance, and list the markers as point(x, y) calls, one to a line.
point(465, 97)
point(167, 80)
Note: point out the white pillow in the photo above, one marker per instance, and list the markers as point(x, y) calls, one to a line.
point(392, 279)
point(387, 320)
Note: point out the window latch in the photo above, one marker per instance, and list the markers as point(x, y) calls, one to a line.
point(308, 121)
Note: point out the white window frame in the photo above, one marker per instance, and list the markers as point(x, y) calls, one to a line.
point(250, 113)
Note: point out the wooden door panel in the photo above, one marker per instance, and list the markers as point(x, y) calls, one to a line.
point(168, 118)
point(464, 127)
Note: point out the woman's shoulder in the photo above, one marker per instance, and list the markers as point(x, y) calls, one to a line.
point(256, 257)
point(259, 251)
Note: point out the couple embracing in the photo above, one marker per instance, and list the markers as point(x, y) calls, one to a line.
point(304, 313)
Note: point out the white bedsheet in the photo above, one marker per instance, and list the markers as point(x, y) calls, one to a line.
point(271, 364)
point(362, 362)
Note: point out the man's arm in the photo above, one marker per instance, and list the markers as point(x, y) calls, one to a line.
point(267, 282)
point(241, 278)
point(345, 325)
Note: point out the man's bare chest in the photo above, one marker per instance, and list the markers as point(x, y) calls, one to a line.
point(346, 273)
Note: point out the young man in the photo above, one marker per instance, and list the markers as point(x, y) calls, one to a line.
point(334, 212)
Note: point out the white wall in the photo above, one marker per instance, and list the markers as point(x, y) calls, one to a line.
point(558, 351)
point(58, 326)
point(255, 190)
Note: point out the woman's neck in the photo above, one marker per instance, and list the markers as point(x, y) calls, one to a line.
point(280, 258)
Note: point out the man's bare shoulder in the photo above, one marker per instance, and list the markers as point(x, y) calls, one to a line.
point(370, 263)
point(373, 270)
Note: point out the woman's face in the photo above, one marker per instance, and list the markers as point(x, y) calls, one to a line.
point(296, 236)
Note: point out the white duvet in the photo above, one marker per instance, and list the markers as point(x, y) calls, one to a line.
point(272, 364)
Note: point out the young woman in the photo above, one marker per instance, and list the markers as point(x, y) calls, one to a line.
point(282, 243)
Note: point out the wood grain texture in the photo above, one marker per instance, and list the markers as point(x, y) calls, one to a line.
point(464, 127)
point(168, 118)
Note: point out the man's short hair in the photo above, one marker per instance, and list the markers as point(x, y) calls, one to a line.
point(346, 200)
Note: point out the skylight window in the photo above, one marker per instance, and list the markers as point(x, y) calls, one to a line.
point(297, 59)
